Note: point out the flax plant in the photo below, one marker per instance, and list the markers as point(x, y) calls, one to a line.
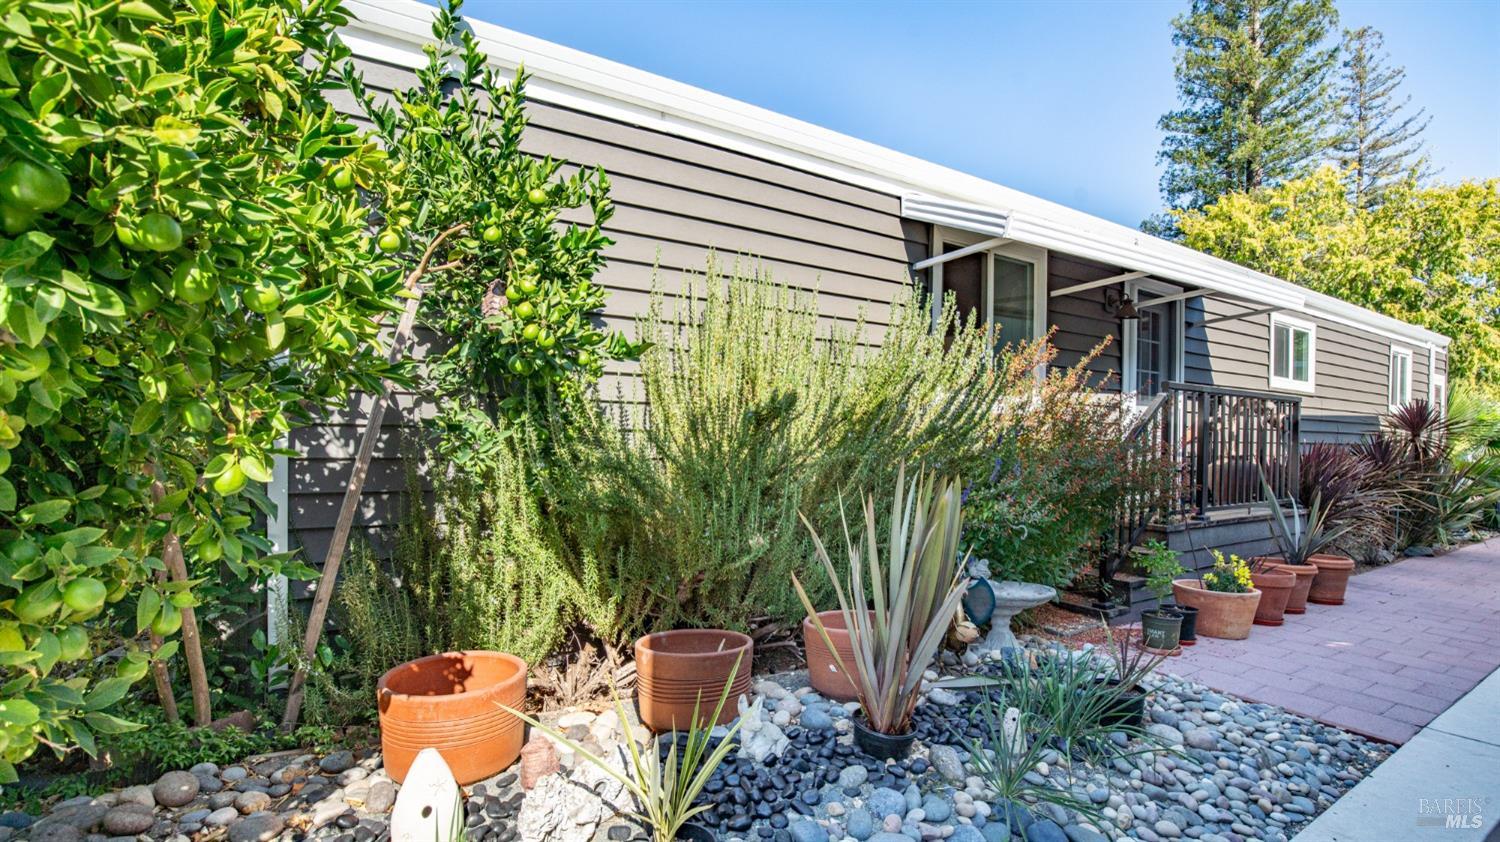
point(895, 631)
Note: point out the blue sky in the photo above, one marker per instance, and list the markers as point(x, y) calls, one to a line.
point(1059, 99)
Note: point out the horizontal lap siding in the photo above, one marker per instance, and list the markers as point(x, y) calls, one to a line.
point(1080, 320)
point(677, 202)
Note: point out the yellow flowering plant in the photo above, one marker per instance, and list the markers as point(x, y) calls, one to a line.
point(1231, 575)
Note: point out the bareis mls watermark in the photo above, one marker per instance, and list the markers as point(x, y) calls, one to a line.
point(1456, 813)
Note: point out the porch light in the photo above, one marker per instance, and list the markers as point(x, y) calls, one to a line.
point(1122, 305)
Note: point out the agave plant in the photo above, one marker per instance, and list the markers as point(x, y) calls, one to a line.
point(664, 787)
point(896, 627)
point(1302, 536)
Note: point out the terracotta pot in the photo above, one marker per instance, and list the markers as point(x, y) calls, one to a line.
point(1222, 615)
point(822, 670)
point(679, 672)
point(1275, 586)
point(1333, 577)
point(448, 702)
point(1297, 602)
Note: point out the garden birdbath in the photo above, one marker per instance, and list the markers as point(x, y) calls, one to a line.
point(1011, 598)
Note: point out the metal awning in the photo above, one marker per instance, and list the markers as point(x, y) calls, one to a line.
point(1138, 254)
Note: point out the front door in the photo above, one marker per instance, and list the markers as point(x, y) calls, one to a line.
point(1153, 342)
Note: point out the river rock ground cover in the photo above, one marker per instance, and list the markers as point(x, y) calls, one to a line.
point(1227, 771)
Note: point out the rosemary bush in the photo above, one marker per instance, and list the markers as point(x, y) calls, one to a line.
point(753, 411)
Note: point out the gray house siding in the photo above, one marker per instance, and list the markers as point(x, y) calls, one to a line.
point(678, 201)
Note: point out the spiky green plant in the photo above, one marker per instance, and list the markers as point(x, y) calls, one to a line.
point(1304, 535)
point(896, 629)
point(663, 788)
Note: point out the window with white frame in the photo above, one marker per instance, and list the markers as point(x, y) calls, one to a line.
point(1400, 377)
point(1003, 288)
point(1294, 348)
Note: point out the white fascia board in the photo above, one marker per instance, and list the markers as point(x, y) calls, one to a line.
point(393, 31)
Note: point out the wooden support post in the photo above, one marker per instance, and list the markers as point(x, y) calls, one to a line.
point(159, 672)
point(192, 646)
point(345, 523)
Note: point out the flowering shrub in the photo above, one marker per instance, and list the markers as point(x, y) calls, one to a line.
point(1231, 575)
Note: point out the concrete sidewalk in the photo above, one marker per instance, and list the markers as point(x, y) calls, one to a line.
point(1442, 786)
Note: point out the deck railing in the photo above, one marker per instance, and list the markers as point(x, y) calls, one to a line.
point(1221, 442)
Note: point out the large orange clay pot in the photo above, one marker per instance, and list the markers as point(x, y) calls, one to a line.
point(1275, 586)
point(1222, 615)
point(1297, 602)
point(1333, 577)
point(677, 672)
point(822, 670)
point(448, 702)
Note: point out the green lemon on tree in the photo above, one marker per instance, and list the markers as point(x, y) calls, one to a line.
point(159, 232)
point(525, 310)
point(132, 669)
point(74, 642)
point(547, 339)
point(37, 602)
point(520, 366)
point(343, 180)
point(192, 284)
point(32, 187)
point(585, 357)
point(528, 285)
point(22, 551)
point(84, 594)
point(230, 482)
point(537, 197)
point(143, 292)
point(182, 599)
point(198, 416)
point(263, 297)
point(513, 293)
point(15, 221)
point(168, 620)
point(389, 241)
point(493, 234)
point(531, 332)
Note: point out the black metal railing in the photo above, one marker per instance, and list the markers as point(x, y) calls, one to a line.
point(1219, 443)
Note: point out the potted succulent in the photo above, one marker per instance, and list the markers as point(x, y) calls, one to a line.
point(896, 630)
point(1161, 628)
point(1301, 539)
point(666, 785)
point(1225, 597)
point(678, 671)
point(447, 702)
point(1130, 666)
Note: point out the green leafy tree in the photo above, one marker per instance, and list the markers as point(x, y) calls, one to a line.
point(1429, 256)
point(516, 301)
point(1253, 82)
point(1379, 143)
point(187, 276)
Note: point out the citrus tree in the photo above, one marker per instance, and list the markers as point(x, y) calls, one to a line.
point(516, 302)
point(187, 274)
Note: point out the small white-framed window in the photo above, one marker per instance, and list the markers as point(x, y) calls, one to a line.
point(1437, 384)
point(1294, 353)
point(1005, 287)
point(1399, 389)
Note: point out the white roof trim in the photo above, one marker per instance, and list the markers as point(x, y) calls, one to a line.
point(393, 31)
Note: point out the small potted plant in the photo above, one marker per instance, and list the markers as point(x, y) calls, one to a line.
point(1225, 597)
point(1161, 628)
point(1130, 666)
point(665, 786)
point(895, 632)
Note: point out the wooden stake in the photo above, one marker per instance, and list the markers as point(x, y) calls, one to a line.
point(345, 523)
point(159, 672)
point(192, 646)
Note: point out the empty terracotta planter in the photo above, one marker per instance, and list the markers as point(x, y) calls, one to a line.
point(1297, 602)
point(1332, 579)
point(1222, 615)
point(680, 671)
point(448, 702)
point(1275, 586)
point(823, 671)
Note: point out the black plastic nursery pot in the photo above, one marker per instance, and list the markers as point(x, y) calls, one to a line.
point(1189, 632)
point(1161, 629)
point(881, 746)
point(1128, 710)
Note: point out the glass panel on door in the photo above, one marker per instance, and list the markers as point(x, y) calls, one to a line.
point(1155, 347)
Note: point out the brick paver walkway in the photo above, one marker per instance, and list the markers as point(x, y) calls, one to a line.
point(1409, 640)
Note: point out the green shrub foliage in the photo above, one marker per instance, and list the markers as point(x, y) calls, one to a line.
point(685, 504)
point(514, 304)
point(186, 277)
point(1060, 468)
